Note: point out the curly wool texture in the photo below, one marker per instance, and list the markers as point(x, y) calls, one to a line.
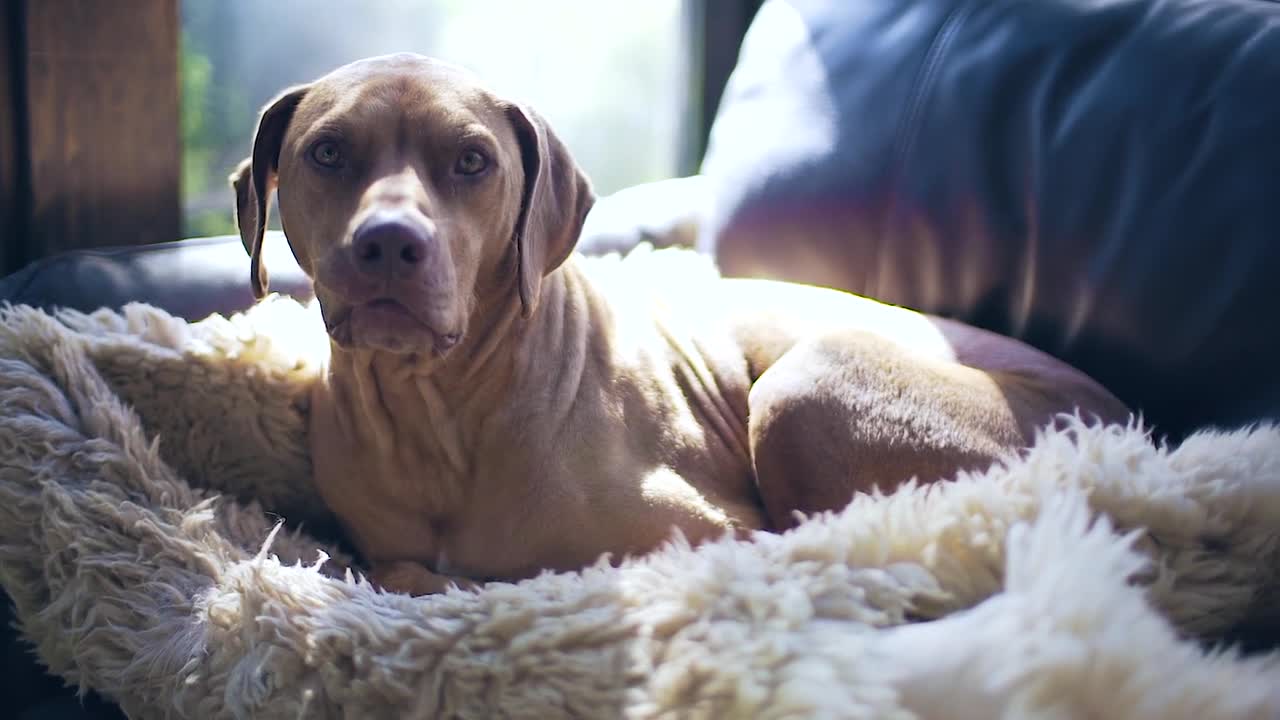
point(145, 462)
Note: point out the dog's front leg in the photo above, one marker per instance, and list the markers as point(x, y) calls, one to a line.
point(411, 578)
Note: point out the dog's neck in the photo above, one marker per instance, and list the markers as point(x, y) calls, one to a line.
point(439, 412)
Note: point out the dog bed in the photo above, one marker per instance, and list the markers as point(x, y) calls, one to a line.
point(162, 546)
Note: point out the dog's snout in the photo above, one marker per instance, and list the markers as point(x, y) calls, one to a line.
point(390, 242)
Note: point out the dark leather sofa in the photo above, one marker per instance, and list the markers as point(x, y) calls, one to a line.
point(1100, 178)
point(1097, 177)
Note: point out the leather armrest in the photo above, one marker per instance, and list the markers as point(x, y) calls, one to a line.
point(189, 278)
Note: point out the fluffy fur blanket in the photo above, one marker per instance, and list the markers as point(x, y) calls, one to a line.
point(145, 464)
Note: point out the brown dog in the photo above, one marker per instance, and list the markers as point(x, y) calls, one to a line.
point(489, 411)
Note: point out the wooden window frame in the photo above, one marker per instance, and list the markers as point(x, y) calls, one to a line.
point(90, 152)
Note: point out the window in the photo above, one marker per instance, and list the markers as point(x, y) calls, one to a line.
point(609, 75)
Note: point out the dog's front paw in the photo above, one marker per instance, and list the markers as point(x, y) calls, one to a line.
point(411, 578)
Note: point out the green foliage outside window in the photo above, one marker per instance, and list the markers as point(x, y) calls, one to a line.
point(608, 75)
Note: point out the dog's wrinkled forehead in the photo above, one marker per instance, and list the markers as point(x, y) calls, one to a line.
point(413, 87)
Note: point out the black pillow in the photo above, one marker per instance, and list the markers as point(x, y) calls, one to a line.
point(1100, 178)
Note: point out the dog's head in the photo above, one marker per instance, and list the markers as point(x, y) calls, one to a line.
point(413, 197)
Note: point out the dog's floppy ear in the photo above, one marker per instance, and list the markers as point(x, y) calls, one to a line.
point(255, 178)
point(246, 204)
point(553, 205)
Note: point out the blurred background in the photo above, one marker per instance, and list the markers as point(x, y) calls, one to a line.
point(120, 120)
point(610, 75)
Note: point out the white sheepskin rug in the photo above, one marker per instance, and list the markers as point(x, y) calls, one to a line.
point(146, 465)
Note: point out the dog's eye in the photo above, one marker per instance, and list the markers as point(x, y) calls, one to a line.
point(471, 162)
point(326, 153)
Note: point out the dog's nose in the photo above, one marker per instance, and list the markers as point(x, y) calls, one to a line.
point(388, 242)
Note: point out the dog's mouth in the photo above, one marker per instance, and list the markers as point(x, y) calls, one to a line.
point(386, 324)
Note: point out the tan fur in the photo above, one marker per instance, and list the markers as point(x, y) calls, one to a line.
point(567, 421)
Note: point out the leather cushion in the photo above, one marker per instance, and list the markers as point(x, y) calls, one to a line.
point(1100, 178)
point(189, 278)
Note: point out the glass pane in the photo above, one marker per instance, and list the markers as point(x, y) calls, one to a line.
point(609, 75)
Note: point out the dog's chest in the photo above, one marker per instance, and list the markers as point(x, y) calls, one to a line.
point(568, 521)
point(513, 511)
